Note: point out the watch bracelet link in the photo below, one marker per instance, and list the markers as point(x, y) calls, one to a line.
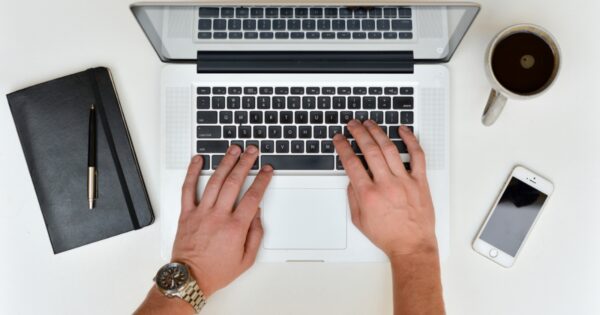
point(194, 296)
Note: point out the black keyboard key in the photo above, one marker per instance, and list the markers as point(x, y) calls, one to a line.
point(309, 102)
point(313, 35)
point(344, 90)
point(233, 102)
point(406, 118)
point(375, 13)
point(256, 12)
point(286, 117)
point(347, 133)
point(270, 117)
point(360, 13)
point(375, 90)
point(405, 35)
point(301, 12)
point(297, 35)
point(359, 35)
point(312, 146)
point(279, 25)
point(204, 35)
point(236, 35)
point(390, 35)
point(245, 131)
point(333, 130)
point(225, 117)
point(216, 159)
point(282, 90)
point(345, 13)
point(272, 12)
point(403, 102)
point(278, 102)
point(327, 146)
point(248, 102)
point(209, 12)
point(203, 102)
point(260, 132)
point(309, 25)
point(312, 90)
point(328, 90)
point(400, 145)
point(282, 35)
point(368, 102)
point(383, 128)
point(287, 12)
point(206, 117)
point(390, 90)
point(229, 132)
point(234, 90)
point(227, 12)
point(297, 90)
point(404, 12)
point(324, 102)
point(339, 102)
point(211, 146)
point(323, 25)
point(218, 102)
point(220, 35)
point(293, 102)
point(267, 146)
point(354, 102)
point(274, 132)
point(383, 25)
point(250, 35)
point(316, 117)
point(289, 132)
point(299, 162)
point(345, 117)
point(401, 25)
point(256, 117)
point(338, 25)
point(331, 12)
point(304, 132)
point(384, 102)
point(253, 142)
point(219, 24)
point(242, 12)
point(331, 117)
point(343, 35)
point(390, 12)
point(263, 102)
point(293, 25)
point(316, 12)
point(264, 25)
point(328, 35)
point(368, 25)
point(361, 115)
point(281, 146)
point(249, 25)
point(374, 35)
point(203, 90)
point(353, 25)
point(320, 132)
point(204, 132)
point(393, 132)
point(266, 90)
point(204, 24)
point(241, 117)
point(250, 90)
point(407, 91)
point(301, 117)
point(391, 117)
point(266, 35)
point(377, 116)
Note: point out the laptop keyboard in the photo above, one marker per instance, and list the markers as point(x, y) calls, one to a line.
point(292, 126)
point(311, 23)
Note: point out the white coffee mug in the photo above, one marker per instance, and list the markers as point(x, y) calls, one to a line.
point(500, 93)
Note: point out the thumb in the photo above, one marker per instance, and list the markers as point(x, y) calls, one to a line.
point(353, 204)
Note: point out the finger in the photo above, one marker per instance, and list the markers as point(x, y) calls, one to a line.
point(211, 192)
point(352, 165)
point(248, 206)
point(377, 164)
point(353, 205)
point(235, 180)
point(417, 155)
point(389, 149)
point(190, 185)
point(255, 234)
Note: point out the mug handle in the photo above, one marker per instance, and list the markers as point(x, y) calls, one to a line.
point(494, 107)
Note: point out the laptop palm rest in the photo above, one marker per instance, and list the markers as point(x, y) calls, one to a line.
point(296, 218)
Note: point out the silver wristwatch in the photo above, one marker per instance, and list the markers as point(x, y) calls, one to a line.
point(174, 280)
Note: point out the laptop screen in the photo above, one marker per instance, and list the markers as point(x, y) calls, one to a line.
point(431, 33)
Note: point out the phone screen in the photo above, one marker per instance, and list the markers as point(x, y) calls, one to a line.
point(515, 213)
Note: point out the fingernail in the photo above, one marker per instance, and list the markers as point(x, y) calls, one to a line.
point(368, 122)
point(234, 150)
point(403, 127)
point(353, 123)
point(267, 168)
point(251, 149)
point(196, 159)
point(338, 136)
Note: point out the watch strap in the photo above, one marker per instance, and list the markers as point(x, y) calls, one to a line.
point(193, 295)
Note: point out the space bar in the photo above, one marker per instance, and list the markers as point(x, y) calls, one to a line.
point(298, 162)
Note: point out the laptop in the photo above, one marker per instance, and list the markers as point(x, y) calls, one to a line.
point(288, 77)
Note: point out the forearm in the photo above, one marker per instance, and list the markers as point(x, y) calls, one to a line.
point(417, 284)
point(158, 304)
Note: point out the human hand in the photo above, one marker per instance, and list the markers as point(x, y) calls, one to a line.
point(217, 239)
point(391, 206)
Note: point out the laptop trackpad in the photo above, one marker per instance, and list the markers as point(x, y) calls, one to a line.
point(304, 218)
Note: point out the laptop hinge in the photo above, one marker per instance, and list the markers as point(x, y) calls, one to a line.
point(305, 62)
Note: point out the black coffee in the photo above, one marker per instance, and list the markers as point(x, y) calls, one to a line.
point(523, 63)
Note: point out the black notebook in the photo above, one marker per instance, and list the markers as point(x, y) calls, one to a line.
point(52, 121)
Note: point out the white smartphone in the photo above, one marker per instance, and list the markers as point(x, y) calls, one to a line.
point(514, 213)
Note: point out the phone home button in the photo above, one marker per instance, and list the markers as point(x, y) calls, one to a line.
point(493, 253)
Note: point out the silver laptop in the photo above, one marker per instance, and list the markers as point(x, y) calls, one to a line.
point(286, 78)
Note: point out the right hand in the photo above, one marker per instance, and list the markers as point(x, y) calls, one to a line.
point(392, 206)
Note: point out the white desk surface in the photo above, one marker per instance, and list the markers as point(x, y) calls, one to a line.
point(557, 134)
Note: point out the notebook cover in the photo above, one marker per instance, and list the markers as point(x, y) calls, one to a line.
point(52, 123)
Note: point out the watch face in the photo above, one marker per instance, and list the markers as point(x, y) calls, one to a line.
point(172, 277)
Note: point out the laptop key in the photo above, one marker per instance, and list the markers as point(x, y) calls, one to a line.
point(338, 25)
point(274, 132)
point(220, 24)
point(266, 90)
point(260, 132)
point(218, 102)
point(343, 35)
point(404, 12)
point(264, 25)
point(390, 90)
point(251, 35)
point(403, 102)
point(229, 132)
point(256, 12)
point(353, 25)
point(236, 35)
point(203, 132)
point(209, 12)
point(272, 12)
point(204, 35)
point(328, 35)
point(204, 24)
point(248, 102)
point(316, 117)
point(211, 146)
point(354, 102)
point(390, 35)
point(287, 12)
point(227, 12)
point(289, 132)
point(361, 115)
point(390, 12)
point(375, 12)
point(216, 159)
point(278, 102)
point(384, 102)
point(346, 116)
point(241, 117)
point(359, 90)
point(267, 146)
point(374, 35)
point(203, 90)
point(391, 117)
point(304, 132)
point(406, 118)
point(405, 35)
point(286, 117)
point(245, 131)
point(256, 117)
point(328, 90)
point(233, 102)
point(327, 146)
point(242, 12)
point(297, 35)
point(203, 102)
point(331, 117)
point(323, 25)
point(331, 12)
point(360, 13)
point(401, 25)
point(309, 102)
point(377, 116)
point(309, 25)
point(339, 102)
point(316, 12)
point(281, 146)
point(407, 90)
point(324, 102)
point(282, 35)
point(234, 90)
point(301, 12)
point(345, 13)
point(333, 130)
point(270, 117)
point(282, 90)
point(225, 117)
point(299, 162)
point(375, 90)
point(266, 35)
point(343, 90)
point(368, 25)
point(293, 102)
point(206, 117)
point(383, 25)
point(312, 146)
point(320, 132)
point(263, 102)
point(293, 25)
point(313, 35)
point(249, 25)
point(301, 117)
point(359, 35)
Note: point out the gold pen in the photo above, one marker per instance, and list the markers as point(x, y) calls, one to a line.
point(92, 172)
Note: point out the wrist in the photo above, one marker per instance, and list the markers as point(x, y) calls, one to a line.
point(425, 252)
point(158, 303)
point(198, 275)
